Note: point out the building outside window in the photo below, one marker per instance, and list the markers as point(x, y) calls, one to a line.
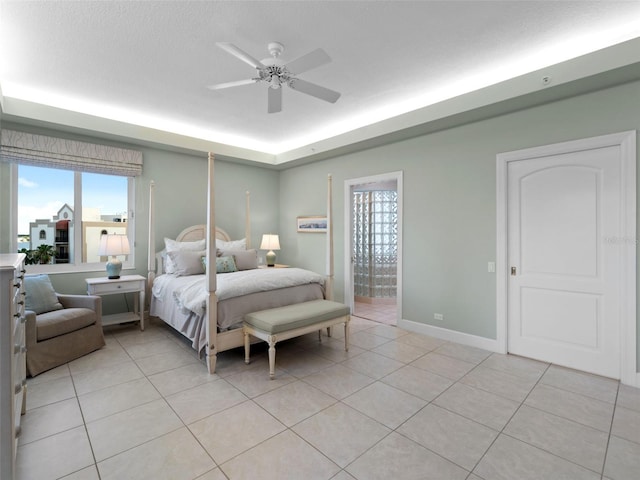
point(66, 194)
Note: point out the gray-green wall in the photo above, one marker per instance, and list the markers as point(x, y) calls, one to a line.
point(449, 201)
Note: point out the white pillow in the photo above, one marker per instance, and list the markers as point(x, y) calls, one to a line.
point(175, 246)
point(232, 245)
point(245, 259)
point(187, 262)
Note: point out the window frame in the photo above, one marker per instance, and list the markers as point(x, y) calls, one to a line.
point(75, 265)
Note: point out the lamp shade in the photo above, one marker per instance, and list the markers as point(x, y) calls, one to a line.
point(114, 244)
point(270, 242)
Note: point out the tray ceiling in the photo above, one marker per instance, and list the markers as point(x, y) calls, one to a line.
point(147, 63)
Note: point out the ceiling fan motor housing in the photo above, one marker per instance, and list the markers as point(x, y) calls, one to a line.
point(274, 73)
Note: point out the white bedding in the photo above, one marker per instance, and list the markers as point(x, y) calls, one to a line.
point(190, 292)
point(180, 301)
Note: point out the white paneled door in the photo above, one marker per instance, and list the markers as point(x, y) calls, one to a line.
point(564, 262)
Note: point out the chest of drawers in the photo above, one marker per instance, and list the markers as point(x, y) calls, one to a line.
point(13, 370)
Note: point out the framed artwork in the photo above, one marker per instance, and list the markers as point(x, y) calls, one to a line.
point(312, 224)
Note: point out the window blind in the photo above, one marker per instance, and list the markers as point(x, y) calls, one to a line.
point(44, 151)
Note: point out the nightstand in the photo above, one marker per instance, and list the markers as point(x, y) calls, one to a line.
point(124, 284)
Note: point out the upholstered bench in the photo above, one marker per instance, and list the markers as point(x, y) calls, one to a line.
point(291, 321)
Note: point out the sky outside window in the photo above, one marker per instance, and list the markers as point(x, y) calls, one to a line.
point(107, 193)
point(43, 191)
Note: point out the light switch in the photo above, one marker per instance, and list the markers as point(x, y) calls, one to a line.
point(491, 267)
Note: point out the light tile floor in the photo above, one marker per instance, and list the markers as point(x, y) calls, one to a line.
point(398, 405)
point(377, 312)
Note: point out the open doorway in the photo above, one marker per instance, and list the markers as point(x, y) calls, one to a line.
point(373, 243)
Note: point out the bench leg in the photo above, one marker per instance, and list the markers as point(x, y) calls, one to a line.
point(272, 356)
point(329, 330)
point(346, 336)
point(247, 347)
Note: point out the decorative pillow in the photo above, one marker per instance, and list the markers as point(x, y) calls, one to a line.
point(173, 246)
point(203, 260)
point(232, 245)
point(187, 262)
point(40, 295)
point(245, 259)
point(225, 265)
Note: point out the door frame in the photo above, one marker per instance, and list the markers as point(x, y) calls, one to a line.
point(348, 237)
point(627, 239)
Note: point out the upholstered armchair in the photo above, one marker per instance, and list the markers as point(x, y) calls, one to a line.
point(59, 328)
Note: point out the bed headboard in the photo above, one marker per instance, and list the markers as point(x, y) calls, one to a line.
point(198, 232)
point(191, 234)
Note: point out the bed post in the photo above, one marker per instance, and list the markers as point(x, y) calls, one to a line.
point(211, 349)
point(151, 247)
point(329, 280)
point(247, 221)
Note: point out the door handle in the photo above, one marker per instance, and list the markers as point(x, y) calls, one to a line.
point(513, 271)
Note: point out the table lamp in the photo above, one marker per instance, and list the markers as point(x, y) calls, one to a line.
point(113, 244)
point(270, 242)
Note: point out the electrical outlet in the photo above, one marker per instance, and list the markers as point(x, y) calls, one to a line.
point(491, 267)
point(438, 316)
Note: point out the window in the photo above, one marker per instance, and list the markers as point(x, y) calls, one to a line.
point(68, 212)
point(65, 194)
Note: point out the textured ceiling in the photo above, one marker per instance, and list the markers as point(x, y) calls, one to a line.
point(148, 63)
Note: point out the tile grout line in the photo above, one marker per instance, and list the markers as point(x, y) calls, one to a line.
point(308, 347)
point(454, 382)
point(84, 424)
point(290, 428)
point(613, 416)
point(184, 425)
point(395, 430)
point(501, 431)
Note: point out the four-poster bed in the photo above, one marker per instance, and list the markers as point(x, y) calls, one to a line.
point(208, 308)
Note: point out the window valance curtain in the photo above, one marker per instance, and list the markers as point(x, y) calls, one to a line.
point(43, 151)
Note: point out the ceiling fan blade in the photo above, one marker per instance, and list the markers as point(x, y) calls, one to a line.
point(237, 83)
point(309, 61)
point(274, 100)
point(241, 54)
point(314, 90)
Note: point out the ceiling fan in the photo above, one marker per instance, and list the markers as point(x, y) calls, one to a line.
point(276, 73)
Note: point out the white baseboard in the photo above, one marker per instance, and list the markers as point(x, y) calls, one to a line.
point(472, 340)
point(452, 335)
